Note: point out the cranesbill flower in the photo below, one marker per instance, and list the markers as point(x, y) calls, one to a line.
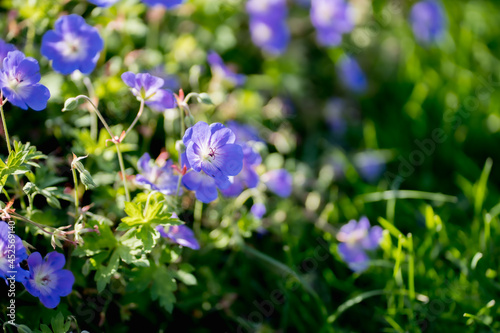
point(180, 234)
point(428, 21)
point(370, 165)
point(331, 18)
point(258, 210)
point(5, 48)
point(204, 186)
point(248, 176)
point(72, 45)
point(47, 280)
point(279, 182)
point(103, 3)
point(351, 75)
point(158, 178)
point(357, 238)
point(147, 87)
point(211, 149)
point(270, 34)
point(12, 252)
point(275, 9)
point(219, 68)
point(164, 3)
point(19, 82)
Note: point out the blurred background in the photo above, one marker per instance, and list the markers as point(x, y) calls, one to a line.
point(395, 95)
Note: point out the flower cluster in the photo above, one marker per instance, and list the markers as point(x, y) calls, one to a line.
point(219, 68)
point(19, 80)
point(356, 238)
point(428, 21)
point(72, 45)
point(268, 24)
point(213, 156)
point(157, 177)
point(148, 88)
point(332, 19)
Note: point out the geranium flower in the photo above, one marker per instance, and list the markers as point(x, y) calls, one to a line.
point(5, 48)
point(147, 87)
point(180, 234)
point(428, 21)
point(351, 75)
point(7, 263)
point(267, 8)
point(219, 67)
point(211, 149)
point(72, 45)
point(258, 210)
point(331, 18)
point(19, 82)
point(270, 34)
point(357, 238)
point(370, 165)
point(158, 178)
point(248, 177)
point(103, 3)
point(165, 3)
point(47, 280)
point(204, 186)
point(279, 182)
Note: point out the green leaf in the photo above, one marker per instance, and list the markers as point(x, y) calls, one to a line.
point(148, 236)
point(57, 323)
point(163, 288)
point(104, 273)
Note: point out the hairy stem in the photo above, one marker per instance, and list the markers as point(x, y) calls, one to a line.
point(141, 110)
point(122, 168)
point(7, 138)
point(75, 180)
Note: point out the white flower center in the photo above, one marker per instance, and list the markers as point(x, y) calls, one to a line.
point(45, 279)
point(352, 237)
point(72, 48)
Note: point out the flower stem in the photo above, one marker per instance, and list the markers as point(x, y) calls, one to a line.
point(141, 110)
point(98, 113)
point(75, 180)
point(183, 125)
point(122, 168)
point(7, 138)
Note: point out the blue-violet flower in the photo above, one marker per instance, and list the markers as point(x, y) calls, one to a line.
point(72, 45)
point(47, 280)
point(147, 87)
point(158, 178)
point(19, 82)
point(12, 253)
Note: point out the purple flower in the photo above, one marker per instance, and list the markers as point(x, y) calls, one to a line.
point(170, 82)
point(165, 3)
point(275, 9)
point(428, 21)
point(147, 87)
point(279, 182)
point(5, 48)
point(12, 252)
point(258, 210)
point(72, 45)
point(248, 177)
point(370, 165)
point(204, 186)
point(270, 34)
point(179, 234)
point(158, 178)
point(219, 68)
point(47, 280)
point(357, 238)
point(331, 18)
point(243, 132)
point(211, 149)
point(103, 3)
point(351, 75)
point(19, 82)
